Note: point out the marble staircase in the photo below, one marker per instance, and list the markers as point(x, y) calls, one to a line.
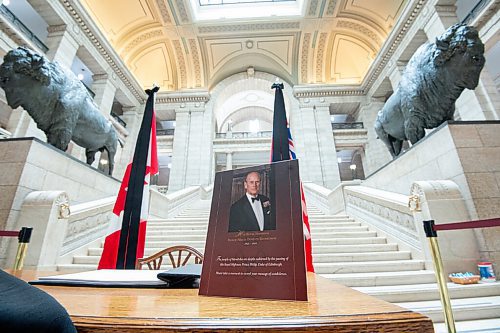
point(344, 251)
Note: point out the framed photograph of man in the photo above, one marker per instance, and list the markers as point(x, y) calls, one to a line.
point(251, 208)
point(255, 241)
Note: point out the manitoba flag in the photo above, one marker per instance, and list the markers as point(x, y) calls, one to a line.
point(127, 228)
point(283, 149)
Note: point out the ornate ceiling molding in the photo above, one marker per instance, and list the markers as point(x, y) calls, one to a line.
point(304, 59)
point(392, 43)
point(181, 9)
point(313, 7)
point(142, 38)
point(331, 7)
point(249, 27)
point(165, 15)
point(193, 47)
point(181, 63)
point(350, 25)
point(320, 55)
point(104, 50)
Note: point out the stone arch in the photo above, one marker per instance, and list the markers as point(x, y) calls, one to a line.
point(243, 90)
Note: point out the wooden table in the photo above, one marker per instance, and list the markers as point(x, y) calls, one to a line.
point(331, 308)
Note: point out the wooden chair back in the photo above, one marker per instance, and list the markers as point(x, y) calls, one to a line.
point(178, 255)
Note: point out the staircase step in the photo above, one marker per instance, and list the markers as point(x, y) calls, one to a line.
point(368, 266)
point(463, 309)
point(356, 257)
point(333, 232)
point(354, 248)
point(347, 241)
point(382, 278)
point(322, 227)
point(346, 234)
point(430, 292)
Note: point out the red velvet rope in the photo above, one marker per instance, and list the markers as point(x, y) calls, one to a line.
point(468, 225)
point(4, 233)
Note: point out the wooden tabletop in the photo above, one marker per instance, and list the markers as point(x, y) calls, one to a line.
point(331, 308)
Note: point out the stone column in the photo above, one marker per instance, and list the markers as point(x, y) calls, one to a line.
point(62, 46)
point(133, 117)
point(192, 148)
point(229, 160)
point(313, 128)
point(376, 153)
point(104, 90)
point(396, 73)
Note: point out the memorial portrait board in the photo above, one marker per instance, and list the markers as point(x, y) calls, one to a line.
point(255, 241)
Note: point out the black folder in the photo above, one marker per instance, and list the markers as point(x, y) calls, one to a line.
point(182, 277)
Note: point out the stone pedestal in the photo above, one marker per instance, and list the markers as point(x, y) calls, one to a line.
point(467, 153)
point(28, 165)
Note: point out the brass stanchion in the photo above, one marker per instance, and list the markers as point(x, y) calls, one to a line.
point(24, 239)
point(441, 279)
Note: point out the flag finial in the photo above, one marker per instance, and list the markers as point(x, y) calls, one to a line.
point(278, 84)
point(153, 90)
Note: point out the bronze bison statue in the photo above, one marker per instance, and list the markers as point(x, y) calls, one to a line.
point(58, 102)
point(432, 81)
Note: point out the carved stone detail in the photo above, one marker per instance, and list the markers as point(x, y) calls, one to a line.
point(394, 42)
point(319, 56)
point(363, 30)
point(102, 50)
point(313, 8)
point(304, 60)
point(182, 11)
point(249, 27)
point(331, 7)
point(80, 232)
point(164, 11)
point(394, 221)
point(142, 38)
point(56, 28)
point(181, 62)
point(196, 61)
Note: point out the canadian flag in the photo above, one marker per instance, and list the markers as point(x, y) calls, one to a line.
point(127, 228)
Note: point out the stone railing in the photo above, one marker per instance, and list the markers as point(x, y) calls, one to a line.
point(169, 205)
point(87, 223)
point(244, 135)
point(342, 126)
point(388, 212)
point(328, 201)
point(4, 134)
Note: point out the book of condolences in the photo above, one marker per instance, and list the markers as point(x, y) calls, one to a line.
point(255, 240)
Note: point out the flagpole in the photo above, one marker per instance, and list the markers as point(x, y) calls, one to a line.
point(129, 236)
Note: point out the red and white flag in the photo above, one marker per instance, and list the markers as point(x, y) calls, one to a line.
point(126, 237)
point(283, 149)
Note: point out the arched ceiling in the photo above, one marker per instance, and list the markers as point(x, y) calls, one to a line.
point(332, 42)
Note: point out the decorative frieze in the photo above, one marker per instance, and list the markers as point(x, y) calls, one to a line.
point(319, 56)
point(249, 27)
point(361, 29)
point(181, 63)
point(331, 7)
point(143, 37)
point(162, 6)
point(304, 59)
point(193, 47)
point(392, 44)
point(103, 50)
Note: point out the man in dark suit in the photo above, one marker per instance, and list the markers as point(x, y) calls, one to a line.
point(252, 212)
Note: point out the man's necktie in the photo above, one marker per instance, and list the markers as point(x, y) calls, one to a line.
point(253, 199)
